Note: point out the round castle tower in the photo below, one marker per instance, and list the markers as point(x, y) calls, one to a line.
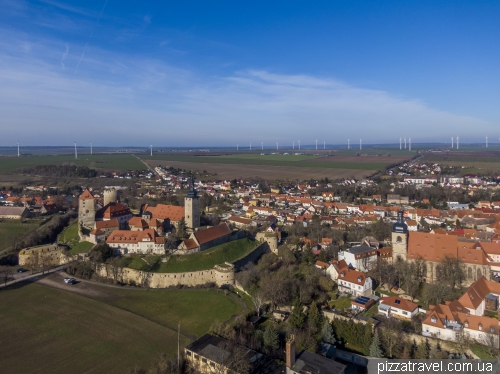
point(111, 195)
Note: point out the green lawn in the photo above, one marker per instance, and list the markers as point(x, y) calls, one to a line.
point(12, 231)
point(70, 237)
point(480, 351)
point(54, 331)
point(228, 252)
point(121, 162)
point(80, 247)
point(341, 303)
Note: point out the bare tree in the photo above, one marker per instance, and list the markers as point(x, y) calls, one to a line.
point(6, 273)
point(464, 341)
point(32, 262)
point(392, 335)
point(258, 301)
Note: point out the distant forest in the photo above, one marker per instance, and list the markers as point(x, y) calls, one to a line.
point(61, 171)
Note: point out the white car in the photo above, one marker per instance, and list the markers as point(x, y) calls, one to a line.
point(70, 280)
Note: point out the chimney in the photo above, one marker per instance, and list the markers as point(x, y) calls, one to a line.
point(290, 351)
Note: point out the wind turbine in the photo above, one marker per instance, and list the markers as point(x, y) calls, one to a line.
point(299, 145)
point(18, 149)
point(452, 142)
point(486, 142)
point(348, 144)
point(360, 143)
point(457, 141)
point(405, 142)
point(237, 147)
point(400, 144)
point(409, 140)
point(316, 144)
point(151, 149)
point(277, 146)
point(76, 154)
point(293, 144)
point(90, 148)
point(250, 145)
point(324, 145)
point(262, 145)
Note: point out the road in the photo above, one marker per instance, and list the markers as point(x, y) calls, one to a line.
point(19, 277)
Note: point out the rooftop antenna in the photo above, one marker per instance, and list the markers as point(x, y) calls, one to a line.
point(409, 141)
point(262, 145)
point(452, 142)
point(486, 142)
point(348, 144)
point(90, 148)
point(18, 154)
point(299, 145)
point(316, 144)
point(151, 149)
point(405, 142)
point(400, 144)
point(360, 143)
point(76, 154)
point(457, 141)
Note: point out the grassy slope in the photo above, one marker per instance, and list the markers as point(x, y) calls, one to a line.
point(53, 331)
point(100, 161)
point(269, 161)
point(70, 237)
point(12, 231)
point(208, 259)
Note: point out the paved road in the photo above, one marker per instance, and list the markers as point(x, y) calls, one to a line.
point(19, 277)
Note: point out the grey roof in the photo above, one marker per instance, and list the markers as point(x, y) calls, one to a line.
point(360, 249)
point(12, 210)
point(308, 362)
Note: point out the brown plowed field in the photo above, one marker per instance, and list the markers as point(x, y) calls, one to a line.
point(363, 159)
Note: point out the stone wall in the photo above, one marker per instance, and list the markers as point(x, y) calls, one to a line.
point(43, 256)
point(221, 275)
point(270, 238)
point(252, 256)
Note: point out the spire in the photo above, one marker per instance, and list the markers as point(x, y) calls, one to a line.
point(400, 225)
point(192, 192)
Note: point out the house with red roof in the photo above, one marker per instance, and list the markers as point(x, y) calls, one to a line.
point(140, 242)
point(354, 282)
point(397, 307)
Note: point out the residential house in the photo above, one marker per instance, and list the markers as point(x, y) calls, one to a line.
point(140, 242)
point(354, 282)
point(397, 307)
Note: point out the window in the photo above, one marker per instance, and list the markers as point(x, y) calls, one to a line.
point(480, 328)
point(433, 319)
point(204, 360)
point(405, 313)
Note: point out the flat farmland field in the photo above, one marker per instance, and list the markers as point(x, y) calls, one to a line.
point(53, 330)
point(12, 231)
point(114, 162)
point(472, 162)
point(311, 165)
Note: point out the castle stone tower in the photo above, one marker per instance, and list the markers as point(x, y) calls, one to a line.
point(399, 238)
point(110, 195)
point(192, 208)
point(86, 210)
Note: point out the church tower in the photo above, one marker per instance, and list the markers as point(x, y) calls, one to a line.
point(399, 238)
point(86, 210)
point(192, 208)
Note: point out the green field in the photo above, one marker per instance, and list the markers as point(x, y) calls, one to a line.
point(47, 330)
point(117, 162)
point(271, 160)
point(207, 259)
point(12, 231)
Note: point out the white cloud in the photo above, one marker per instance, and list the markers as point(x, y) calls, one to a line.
point(129, 100)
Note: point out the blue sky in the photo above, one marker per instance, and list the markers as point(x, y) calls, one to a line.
point(216, 73)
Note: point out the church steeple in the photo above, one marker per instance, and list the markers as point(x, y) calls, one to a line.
point(192, 208)
point(192, 192)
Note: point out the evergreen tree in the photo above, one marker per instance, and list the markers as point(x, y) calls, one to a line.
point(314, 317)
point(375, 350)
point(271, 338)
point(181, 230)
point(367, 339)
point(327, 334)
point(297, 317)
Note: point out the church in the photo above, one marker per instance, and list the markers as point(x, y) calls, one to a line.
point(435, 248)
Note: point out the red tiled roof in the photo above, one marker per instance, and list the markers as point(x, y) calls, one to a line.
point(112, 223)
point(212, 233)
point(86, 195)
point(172, 212)
point(399, 303)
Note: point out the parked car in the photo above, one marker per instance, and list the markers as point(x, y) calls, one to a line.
point(70, 280)
point(21, 270)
